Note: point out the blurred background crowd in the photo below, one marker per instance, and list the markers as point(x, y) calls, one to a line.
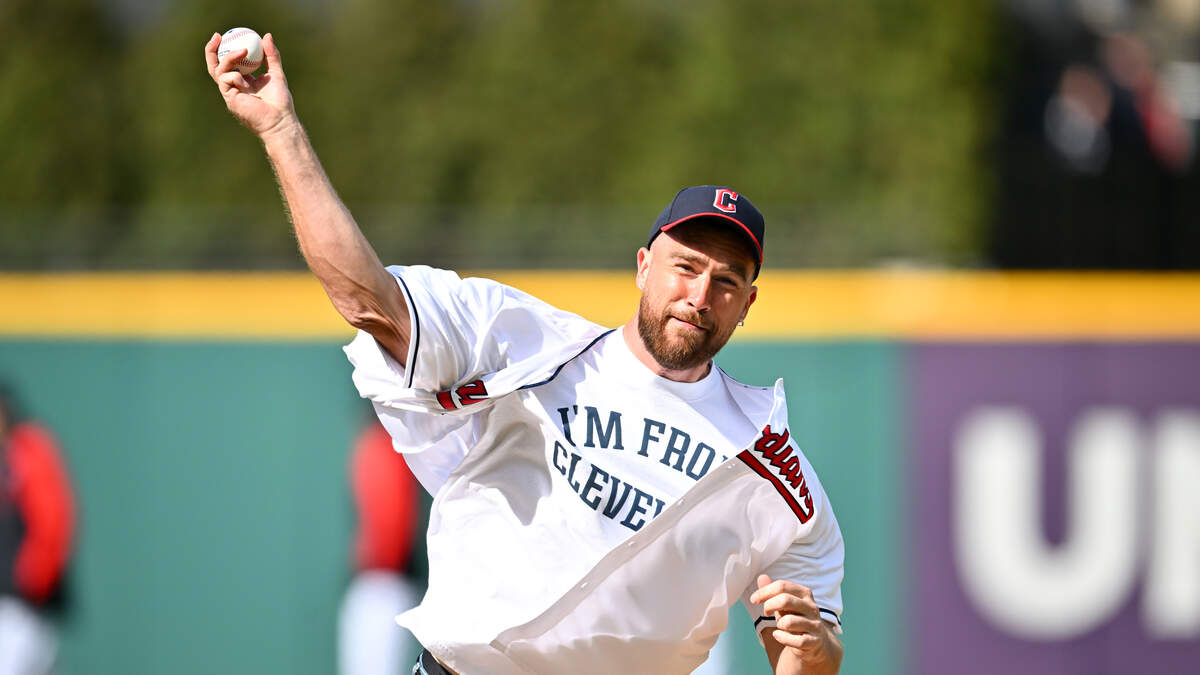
point(186, 504)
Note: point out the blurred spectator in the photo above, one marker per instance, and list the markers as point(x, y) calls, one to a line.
point(387, 503)
point(36, 527)
point(1096, 153)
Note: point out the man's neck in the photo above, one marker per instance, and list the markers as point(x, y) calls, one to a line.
point(634, 341)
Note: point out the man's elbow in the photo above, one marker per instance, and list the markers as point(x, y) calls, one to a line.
point(370, 320)
point(368, 309)
point(361, 316)
point(388, 333)
point(360, 309)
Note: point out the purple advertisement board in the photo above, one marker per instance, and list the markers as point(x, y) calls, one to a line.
point(1056, 520)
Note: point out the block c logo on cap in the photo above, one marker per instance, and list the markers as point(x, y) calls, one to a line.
point(726, 200)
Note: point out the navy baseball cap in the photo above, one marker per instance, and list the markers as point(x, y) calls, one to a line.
point(716, 204)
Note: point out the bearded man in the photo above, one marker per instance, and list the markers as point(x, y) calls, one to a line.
point(601, 497)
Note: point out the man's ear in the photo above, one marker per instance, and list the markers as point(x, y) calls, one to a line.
point(643, 267)
point(750, 301)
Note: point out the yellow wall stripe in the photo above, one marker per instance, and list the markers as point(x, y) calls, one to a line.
point(792, 304)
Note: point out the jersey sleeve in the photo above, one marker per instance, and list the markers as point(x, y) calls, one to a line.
point(462, 329)
point(471, 340)
point(814, 560)
point(451, 321)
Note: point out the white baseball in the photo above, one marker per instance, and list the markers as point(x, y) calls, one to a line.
point(242, 38)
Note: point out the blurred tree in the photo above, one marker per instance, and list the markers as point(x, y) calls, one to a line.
point(497, 133)
point(61, 166)
point(208, 197)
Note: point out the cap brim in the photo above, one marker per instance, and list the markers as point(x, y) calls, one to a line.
point(735, 221)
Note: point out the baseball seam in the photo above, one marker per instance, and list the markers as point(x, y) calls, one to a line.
point(234, 36)
point(240, 33)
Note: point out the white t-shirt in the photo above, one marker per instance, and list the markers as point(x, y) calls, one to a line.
point(548, 446)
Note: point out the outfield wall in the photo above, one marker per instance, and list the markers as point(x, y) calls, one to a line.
point(1011, 457)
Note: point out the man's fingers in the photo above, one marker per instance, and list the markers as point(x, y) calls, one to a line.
point(801, 641)
point(233, 79)
point(227, 62)
point(274, 60)
point(763, 592)
point(210, 53)
point(768, 588)
point(795, 623)
point(786, 603)
point(779, 587)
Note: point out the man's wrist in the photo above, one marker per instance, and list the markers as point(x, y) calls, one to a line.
point(793, 664)
point(283, 135)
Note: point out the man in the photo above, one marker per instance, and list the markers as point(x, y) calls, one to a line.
point(37, 520)
point(601, 498)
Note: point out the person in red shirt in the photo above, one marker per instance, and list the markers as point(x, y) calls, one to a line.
point(37, 521)
point(387, 504)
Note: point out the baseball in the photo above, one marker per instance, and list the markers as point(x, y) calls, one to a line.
point(242, 38)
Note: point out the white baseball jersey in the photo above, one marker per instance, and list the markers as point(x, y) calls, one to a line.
point(589, 516)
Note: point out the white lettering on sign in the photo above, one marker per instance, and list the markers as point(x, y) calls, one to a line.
point(1012, 575)
point(1171, 601)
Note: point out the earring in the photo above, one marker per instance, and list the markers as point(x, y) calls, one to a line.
point(742, 323)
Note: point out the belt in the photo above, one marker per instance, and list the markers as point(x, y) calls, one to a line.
point(427, 665)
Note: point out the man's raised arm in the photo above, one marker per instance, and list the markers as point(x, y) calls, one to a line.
point(362, 291)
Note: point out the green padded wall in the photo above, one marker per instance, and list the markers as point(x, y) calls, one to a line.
point(215, 514)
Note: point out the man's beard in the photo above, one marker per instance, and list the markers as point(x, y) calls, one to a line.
point(694, 349)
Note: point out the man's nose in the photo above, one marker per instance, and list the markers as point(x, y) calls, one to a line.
point(698, 293)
